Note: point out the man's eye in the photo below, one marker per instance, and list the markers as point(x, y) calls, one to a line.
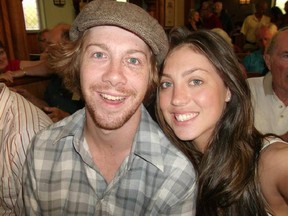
point(165, 85)
point(98, 55)
point(285, 55)
point(133, 60)
point(196, 82)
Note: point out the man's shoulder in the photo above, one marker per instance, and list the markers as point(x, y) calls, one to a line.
point(173, 157)
point(66, 127)
point(261, 85)
point(255, 82)
point(151, 137)
point(250, 17)
point(157, 138)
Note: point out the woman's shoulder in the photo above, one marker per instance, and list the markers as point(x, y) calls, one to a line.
point(273, 173)
point(274, 155)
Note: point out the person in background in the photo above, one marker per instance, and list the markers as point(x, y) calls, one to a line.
point(10, 69)
point(252, 22)
point(19, 122)
point(235, 48)
point(270, 92)
point(226, 37)
point(58, 101)
point(276, 16)
point(59, 33)
point(109, 158)
point(42, 38)
point(194, 22)
point(224, 17)
point(208, 17)
point(175, 33)
point(204, 107)
point(254, 62)
point(285, 16)
point(270, 103)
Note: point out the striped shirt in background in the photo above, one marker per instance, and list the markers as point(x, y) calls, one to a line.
point(20, 120)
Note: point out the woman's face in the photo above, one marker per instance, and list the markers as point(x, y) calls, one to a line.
point(196, 17)
point(3, 60)
point(192, 95)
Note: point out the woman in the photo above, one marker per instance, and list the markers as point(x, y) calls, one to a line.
point(195, 22)
point(10, 69)
point(204, 107)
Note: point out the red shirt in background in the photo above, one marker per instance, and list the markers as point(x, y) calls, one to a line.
point(13, 65)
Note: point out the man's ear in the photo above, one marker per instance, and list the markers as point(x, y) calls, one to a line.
point(267, 60)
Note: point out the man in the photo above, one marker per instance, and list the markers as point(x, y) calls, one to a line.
point(58, 102)
point(209, 19)
point(224, 17)
point(110, 158)
point(270, 93)
point(252, 22)
point(10, 69)
point(58, 34)
point(285, 16)
point(19, 122)
point(42, 37)
point(254, 62)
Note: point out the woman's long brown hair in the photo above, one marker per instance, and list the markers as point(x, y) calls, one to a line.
point(228, 181)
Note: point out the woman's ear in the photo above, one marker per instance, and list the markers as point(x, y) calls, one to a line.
point(228, 95)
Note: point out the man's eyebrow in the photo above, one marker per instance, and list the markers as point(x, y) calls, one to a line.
point(104, 46)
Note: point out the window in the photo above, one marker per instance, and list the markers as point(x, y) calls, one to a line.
point(31, 15)
point(280, 4)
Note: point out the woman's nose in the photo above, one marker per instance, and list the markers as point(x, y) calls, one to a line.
point(179, 96)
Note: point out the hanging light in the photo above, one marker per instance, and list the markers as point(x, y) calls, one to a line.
point(244, 1)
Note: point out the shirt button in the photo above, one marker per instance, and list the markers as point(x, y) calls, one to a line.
point(282, 116)
point(281, 106)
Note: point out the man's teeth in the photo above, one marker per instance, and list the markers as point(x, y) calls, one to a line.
point(113, 98)
point(185, 117)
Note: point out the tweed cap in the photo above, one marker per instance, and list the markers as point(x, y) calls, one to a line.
point(127, 16)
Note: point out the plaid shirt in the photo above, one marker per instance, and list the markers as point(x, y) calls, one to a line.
point(60, 177)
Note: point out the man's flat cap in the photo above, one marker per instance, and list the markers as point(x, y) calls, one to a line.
point(127, 16)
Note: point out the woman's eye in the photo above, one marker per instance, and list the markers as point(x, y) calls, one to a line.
point(98, 55)
point(133, 61)
point(196, 82)
point(165, 85)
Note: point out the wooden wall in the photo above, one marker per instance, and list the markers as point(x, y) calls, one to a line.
point(157, 9)
point(33, 43)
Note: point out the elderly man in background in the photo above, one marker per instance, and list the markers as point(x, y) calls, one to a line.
point(270, 93)
point(58, 101)
point(252, 22)
point(254, 63)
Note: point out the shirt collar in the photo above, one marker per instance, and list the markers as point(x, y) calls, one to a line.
point(267, 84)
point(72, 126)
point(146, 144)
